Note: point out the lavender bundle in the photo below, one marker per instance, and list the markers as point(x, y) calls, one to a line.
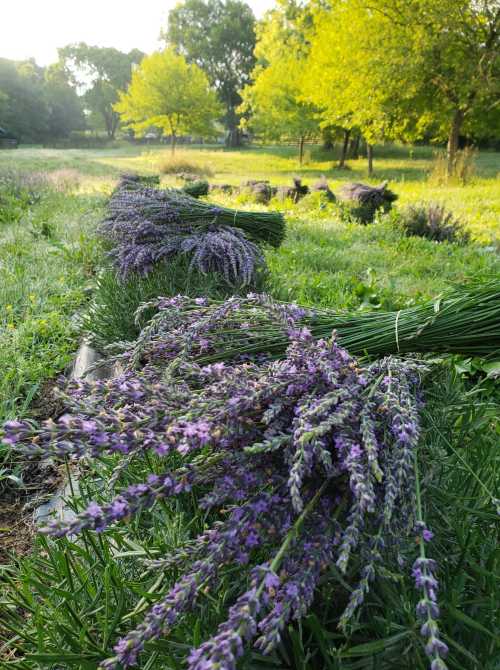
point(304, 462)
point(139, 247)
point(169, 205)
point(463, 319)
point(363, 201)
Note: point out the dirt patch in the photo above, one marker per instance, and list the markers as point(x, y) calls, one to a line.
point(40, 479)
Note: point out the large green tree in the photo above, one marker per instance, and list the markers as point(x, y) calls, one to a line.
point(100, 73)
point(64, 105)
point(219, 37)
point(24, 111)
point(273, 104)
point(171, 94)
point(406, 69)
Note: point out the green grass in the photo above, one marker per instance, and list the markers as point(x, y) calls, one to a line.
point(63, 606)
point(47, 261)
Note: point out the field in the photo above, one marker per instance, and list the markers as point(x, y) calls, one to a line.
point(50, 262)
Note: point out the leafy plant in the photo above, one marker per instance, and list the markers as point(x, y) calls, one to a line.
point(434, 222)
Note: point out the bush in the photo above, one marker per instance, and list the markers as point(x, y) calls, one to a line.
point(18, 192)
point(183, 164)
point(433, 221)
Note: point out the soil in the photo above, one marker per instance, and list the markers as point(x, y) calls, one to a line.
point(39, 478)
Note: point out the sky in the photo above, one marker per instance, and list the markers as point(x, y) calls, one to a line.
point(36, 28)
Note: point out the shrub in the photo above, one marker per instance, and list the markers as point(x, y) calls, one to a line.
point(183, 164)
point(433, 221)
point(464, 167)
point(18, 192)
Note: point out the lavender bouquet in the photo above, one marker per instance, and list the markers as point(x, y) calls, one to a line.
point(169, 206)
point(463, 319)
point(303, 463)
point(223, 250)
point(140, 243)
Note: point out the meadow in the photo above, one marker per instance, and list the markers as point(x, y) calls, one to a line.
point(64, 602)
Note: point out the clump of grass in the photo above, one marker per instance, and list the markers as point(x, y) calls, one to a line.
point(463, 169)
point(64, 179)
point(433, 221)
point(180, 163)
point(18, 192)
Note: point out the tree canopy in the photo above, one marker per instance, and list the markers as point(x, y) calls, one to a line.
point(399, 69)
point(36, 103)
point(219, 37)
point(171, 94)
point(274, 105)
point(100, 73)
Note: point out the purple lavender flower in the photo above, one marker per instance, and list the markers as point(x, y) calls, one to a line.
point(259, 441)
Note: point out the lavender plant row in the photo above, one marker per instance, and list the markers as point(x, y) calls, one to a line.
point(303, 462)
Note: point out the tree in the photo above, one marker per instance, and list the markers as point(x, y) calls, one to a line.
point(171, 94)
point(273, 104)
point(24, 111)
point(101, 72)
point(399, 69)
point(219, 37)
point(360, 74)
point(38, 104)
point(64, 104)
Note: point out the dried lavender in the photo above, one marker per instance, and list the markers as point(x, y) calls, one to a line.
point(140, 243)
point(303, 460)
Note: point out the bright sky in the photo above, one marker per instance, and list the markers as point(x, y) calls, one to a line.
point(36, 28)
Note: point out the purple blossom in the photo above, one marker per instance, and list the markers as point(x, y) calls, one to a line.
point(259, 441)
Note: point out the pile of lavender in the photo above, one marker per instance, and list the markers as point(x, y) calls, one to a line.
point(363, 201)
point(303, 462)
point(147, 227)
point(463, 319)
point(161, 206)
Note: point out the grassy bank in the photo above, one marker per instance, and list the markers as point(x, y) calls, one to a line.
point(47, 262)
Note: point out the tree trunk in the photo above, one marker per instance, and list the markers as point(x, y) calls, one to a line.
point(369, 155)
point(345, 145)
point(173, 143)
point(453, 138)
point(301, 149)
point(354, 149)
point(327, 135)
point(233, 138)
